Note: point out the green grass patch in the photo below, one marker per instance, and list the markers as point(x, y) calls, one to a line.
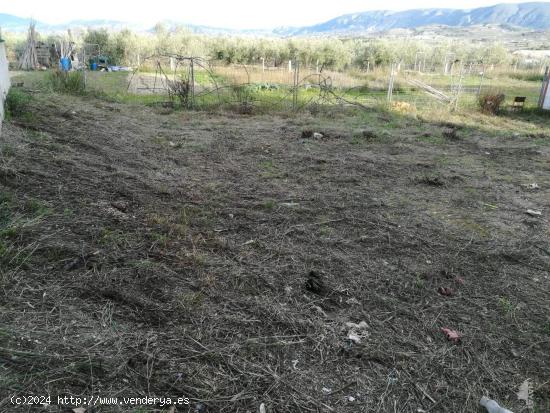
point(17, 103)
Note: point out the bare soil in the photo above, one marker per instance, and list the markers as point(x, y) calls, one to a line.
point(219, 257)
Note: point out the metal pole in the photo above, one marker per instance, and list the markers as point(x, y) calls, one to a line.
point(481, 80)
point(296, 81)
point(544, 89)
point(459, 87)
point(390, 85)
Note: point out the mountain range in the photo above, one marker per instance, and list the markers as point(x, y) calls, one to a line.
point(535, 15)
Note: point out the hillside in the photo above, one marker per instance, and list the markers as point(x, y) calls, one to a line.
point(527, 15)
point(534, 15)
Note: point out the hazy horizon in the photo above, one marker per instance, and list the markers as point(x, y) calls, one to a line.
point(239, 14)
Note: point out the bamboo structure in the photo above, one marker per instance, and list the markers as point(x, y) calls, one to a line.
point(29, 59)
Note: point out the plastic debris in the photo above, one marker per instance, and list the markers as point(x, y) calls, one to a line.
point(524, 394)
point(533, 213)
point(262, 408)
point(492, 406)
point(452, 335)
point(356, 331)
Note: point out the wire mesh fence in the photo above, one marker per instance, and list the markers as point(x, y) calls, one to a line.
point(195, 82)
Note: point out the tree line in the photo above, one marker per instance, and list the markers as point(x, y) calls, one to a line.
point(127, 47)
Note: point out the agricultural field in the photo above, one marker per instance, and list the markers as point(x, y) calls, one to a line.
point(338, 258)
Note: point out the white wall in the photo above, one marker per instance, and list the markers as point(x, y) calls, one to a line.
point(4, 81)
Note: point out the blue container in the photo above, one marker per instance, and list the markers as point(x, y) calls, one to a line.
point(93, 66)
point(65, 64)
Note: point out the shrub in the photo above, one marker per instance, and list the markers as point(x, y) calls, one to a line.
point(490, 102)
point(66, 82)
point(17, 102)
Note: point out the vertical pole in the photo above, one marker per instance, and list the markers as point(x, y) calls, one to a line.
point(544, 89)
point(192, 84)
point(368, 66)
point(290, 65)
point(390, 84)
point(482, 75)
point(296, 82)
point(84, 65)
point(263, 64)
point(459, 86)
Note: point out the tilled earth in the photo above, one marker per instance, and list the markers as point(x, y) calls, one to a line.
point(245, 260)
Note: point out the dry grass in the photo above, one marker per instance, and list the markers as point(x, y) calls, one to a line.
point(169, 254)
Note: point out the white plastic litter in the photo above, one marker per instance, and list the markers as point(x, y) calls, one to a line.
point(492, 406)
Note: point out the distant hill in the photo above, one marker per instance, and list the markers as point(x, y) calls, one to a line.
point(534, 15)
point(11, 23)
point(528, 15)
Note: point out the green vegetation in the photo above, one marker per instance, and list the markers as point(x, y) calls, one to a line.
point(66, 82)
point(17, 103)
point(128, 48)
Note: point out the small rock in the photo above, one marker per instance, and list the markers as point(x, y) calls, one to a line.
point(354, 337)
point(533, 213)
point(122, 206)
point(326, 390)
point(262, 408)
point(317, 135)
point(351, 399)
point(361, 326)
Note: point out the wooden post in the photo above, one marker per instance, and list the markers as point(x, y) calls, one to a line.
point(290, 65)
point(192, 84)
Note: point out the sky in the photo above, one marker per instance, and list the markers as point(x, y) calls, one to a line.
point(235, 14)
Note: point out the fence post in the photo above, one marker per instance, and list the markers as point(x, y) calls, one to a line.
point(544, 88)
point(459, 86)
point(192, 84)
point(481, 80)
point(296, 82)
point(390, 84)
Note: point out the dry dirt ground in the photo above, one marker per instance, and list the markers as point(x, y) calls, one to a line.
point(218, 257)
